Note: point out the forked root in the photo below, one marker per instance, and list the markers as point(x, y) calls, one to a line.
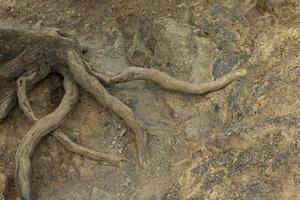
point(166, 81)
point(94, 87)
point(25, 106)
point(37, 132)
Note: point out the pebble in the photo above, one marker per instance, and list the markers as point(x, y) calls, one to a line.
point(128, 180)
point(123, 132)
point(120, 151)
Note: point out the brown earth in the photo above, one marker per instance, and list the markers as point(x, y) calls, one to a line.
point(242, 142)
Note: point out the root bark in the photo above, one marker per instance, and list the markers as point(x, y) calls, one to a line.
point(37, 132)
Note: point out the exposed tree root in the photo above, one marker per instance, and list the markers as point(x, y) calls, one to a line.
point(93, 86)
point(25, 106)
point(37, 53)
point(94, 155)
point(37, 132)
point(166, 81)
point(22, 97)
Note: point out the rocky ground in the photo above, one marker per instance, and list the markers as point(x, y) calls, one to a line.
point(242, 142)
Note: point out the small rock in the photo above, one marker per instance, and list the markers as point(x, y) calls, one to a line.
point(87, 26)
point(77, 136)
point(120, 151)
point(77, 160)
point(128, 180)
point(123, 132)
point(100, 195)
point(38, 25)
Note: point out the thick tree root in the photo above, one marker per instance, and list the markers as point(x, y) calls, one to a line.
point(166, 81)
point(93, 86)
point(25, 106)
point(37, 132)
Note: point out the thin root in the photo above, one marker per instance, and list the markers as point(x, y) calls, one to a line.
point(94, 155)
point(166, 81)
point(23, 98)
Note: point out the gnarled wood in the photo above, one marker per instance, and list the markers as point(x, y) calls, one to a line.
point(25, 106)
point(37, 132)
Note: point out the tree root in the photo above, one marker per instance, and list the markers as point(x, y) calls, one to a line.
point(25, 106)
point(94, 87)
point(94, 155)
point(37, 132)
point(166, 81)
point(36, 54)
point(22, 97)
